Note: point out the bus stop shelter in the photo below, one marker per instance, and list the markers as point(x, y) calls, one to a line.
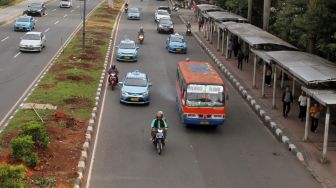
point(204, 8)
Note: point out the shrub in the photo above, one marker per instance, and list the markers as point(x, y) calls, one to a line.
point(45, 182)
point(37, 132)
point(12, 176)
point(22, 149)
point(5, 2)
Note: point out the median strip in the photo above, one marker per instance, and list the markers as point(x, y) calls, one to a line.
point(71, 85)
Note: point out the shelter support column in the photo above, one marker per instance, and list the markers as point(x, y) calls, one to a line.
point(254, 70)
point(211, 32)
point(227, 45)
point(223, 41)
point(282, 79)
point(305, 137)
point(293, 87)
point(274, 86)
point(326, 132)
point(263, 81)
point(218, 38)
point(204, 29)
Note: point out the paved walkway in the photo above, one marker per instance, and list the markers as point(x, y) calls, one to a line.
point(292, 126)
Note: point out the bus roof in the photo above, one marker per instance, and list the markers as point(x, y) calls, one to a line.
point(199, 72)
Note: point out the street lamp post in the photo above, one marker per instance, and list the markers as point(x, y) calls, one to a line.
point(84, 18)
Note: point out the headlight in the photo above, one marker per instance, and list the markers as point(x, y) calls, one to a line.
point(171, 26)
point(145, 93)
point(124, 93)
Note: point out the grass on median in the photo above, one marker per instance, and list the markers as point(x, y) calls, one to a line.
point(71, 85)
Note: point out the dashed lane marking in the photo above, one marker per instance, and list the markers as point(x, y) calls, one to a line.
point(17, 55)
point(46, 30)
point(65, 15)
point(56, 22)
point(54, 10)
point(5, 39)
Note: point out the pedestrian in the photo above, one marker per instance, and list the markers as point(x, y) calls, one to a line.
point(230, 48)
point(303, 105)
point(268, 77)
point(240, 59)
point(247, 55)
point(235, 48)
point(287, 99)
point(200, 24)
point(315, 115)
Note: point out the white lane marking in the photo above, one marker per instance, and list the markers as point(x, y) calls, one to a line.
point(46, 30)
point(101, 114)
point(65, 15)
point(54, 10)
point(46, 14)
point(36, 20)
point(5, 39)
point(17, 55)
point(56, 22)
point(72, 10)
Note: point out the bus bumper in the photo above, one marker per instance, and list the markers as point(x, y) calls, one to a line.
point(205, 122)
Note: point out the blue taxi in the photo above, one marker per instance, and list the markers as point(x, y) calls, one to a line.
point(127, 50)
point(24, 23)
point(135, 88)
point(176, 44)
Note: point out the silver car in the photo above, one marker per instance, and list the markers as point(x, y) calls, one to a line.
point(32, 41)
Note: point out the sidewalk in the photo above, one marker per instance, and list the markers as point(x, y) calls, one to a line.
point(292, 126)
point(8, 14)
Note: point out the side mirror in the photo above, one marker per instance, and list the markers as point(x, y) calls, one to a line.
point(150, 84)
point(120, 83)
point(137, 47)
point(116, 46)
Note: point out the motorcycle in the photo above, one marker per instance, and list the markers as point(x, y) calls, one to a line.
point(188, 32)
point(126, 10)
point(141, 38)
point(113, 80)
point(159, 140)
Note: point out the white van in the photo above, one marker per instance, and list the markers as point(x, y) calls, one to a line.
point(65, 3)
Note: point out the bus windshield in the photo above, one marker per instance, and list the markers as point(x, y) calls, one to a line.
point(205, 96)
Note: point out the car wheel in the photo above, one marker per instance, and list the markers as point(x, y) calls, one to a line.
point(40, 49)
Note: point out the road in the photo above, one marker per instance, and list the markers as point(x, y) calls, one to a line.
point(241, 153)
point(17, 69)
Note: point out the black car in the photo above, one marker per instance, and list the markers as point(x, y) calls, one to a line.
point(35, 9)
point(165, 26)
point(167, 8)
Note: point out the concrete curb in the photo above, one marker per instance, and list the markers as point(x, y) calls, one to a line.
point(90, 131)
point(267, 120)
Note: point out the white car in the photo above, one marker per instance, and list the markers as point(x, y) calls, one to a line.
point(161, 14)
point(65, 3)
point(32, 41)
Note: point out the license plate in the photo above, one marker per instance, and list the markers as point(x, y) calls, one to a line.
point(159, 135)
point(204, 122)
point(178, 49)
point(134, 99)
point(127, 57)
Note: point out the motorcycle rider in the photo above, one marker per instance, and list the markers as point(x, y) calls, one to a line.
point(141, 31)
point(188, 25)
point(126, 7)
point(159, 122)
point(113, 69)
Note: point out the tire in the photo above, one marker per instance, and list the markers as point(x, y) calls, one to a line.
point(159, 147)
point(112, 87)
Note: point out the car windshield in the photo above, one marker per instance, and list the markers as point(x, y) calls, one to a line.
point(35, 6)
point(23, 20)
point(163, 12)
point(134, 10)
point(166, 22)
point(31, 37)
point(176, 39)
point(127, 45)
point(205, 96)
point(140, 82)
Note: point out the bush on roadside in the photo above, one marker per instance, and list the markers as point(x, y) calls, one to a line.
point(12, 176)
point(38, 133)
point(6, 2)
point(45, 182)
point(22, 149)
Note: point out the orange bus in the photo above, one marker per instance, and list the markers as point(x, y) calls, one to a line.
point(200, 94)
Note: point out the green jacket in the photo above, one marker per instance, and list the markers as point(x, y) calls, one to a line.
point(159, 123)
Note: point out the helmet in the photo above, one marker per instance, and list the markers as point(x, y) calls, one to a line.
point(113, 66)
point(159, 115)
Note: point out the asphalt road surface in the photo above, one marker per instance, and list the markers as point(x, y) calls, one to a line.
point(19, 69)
point(239, 154)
